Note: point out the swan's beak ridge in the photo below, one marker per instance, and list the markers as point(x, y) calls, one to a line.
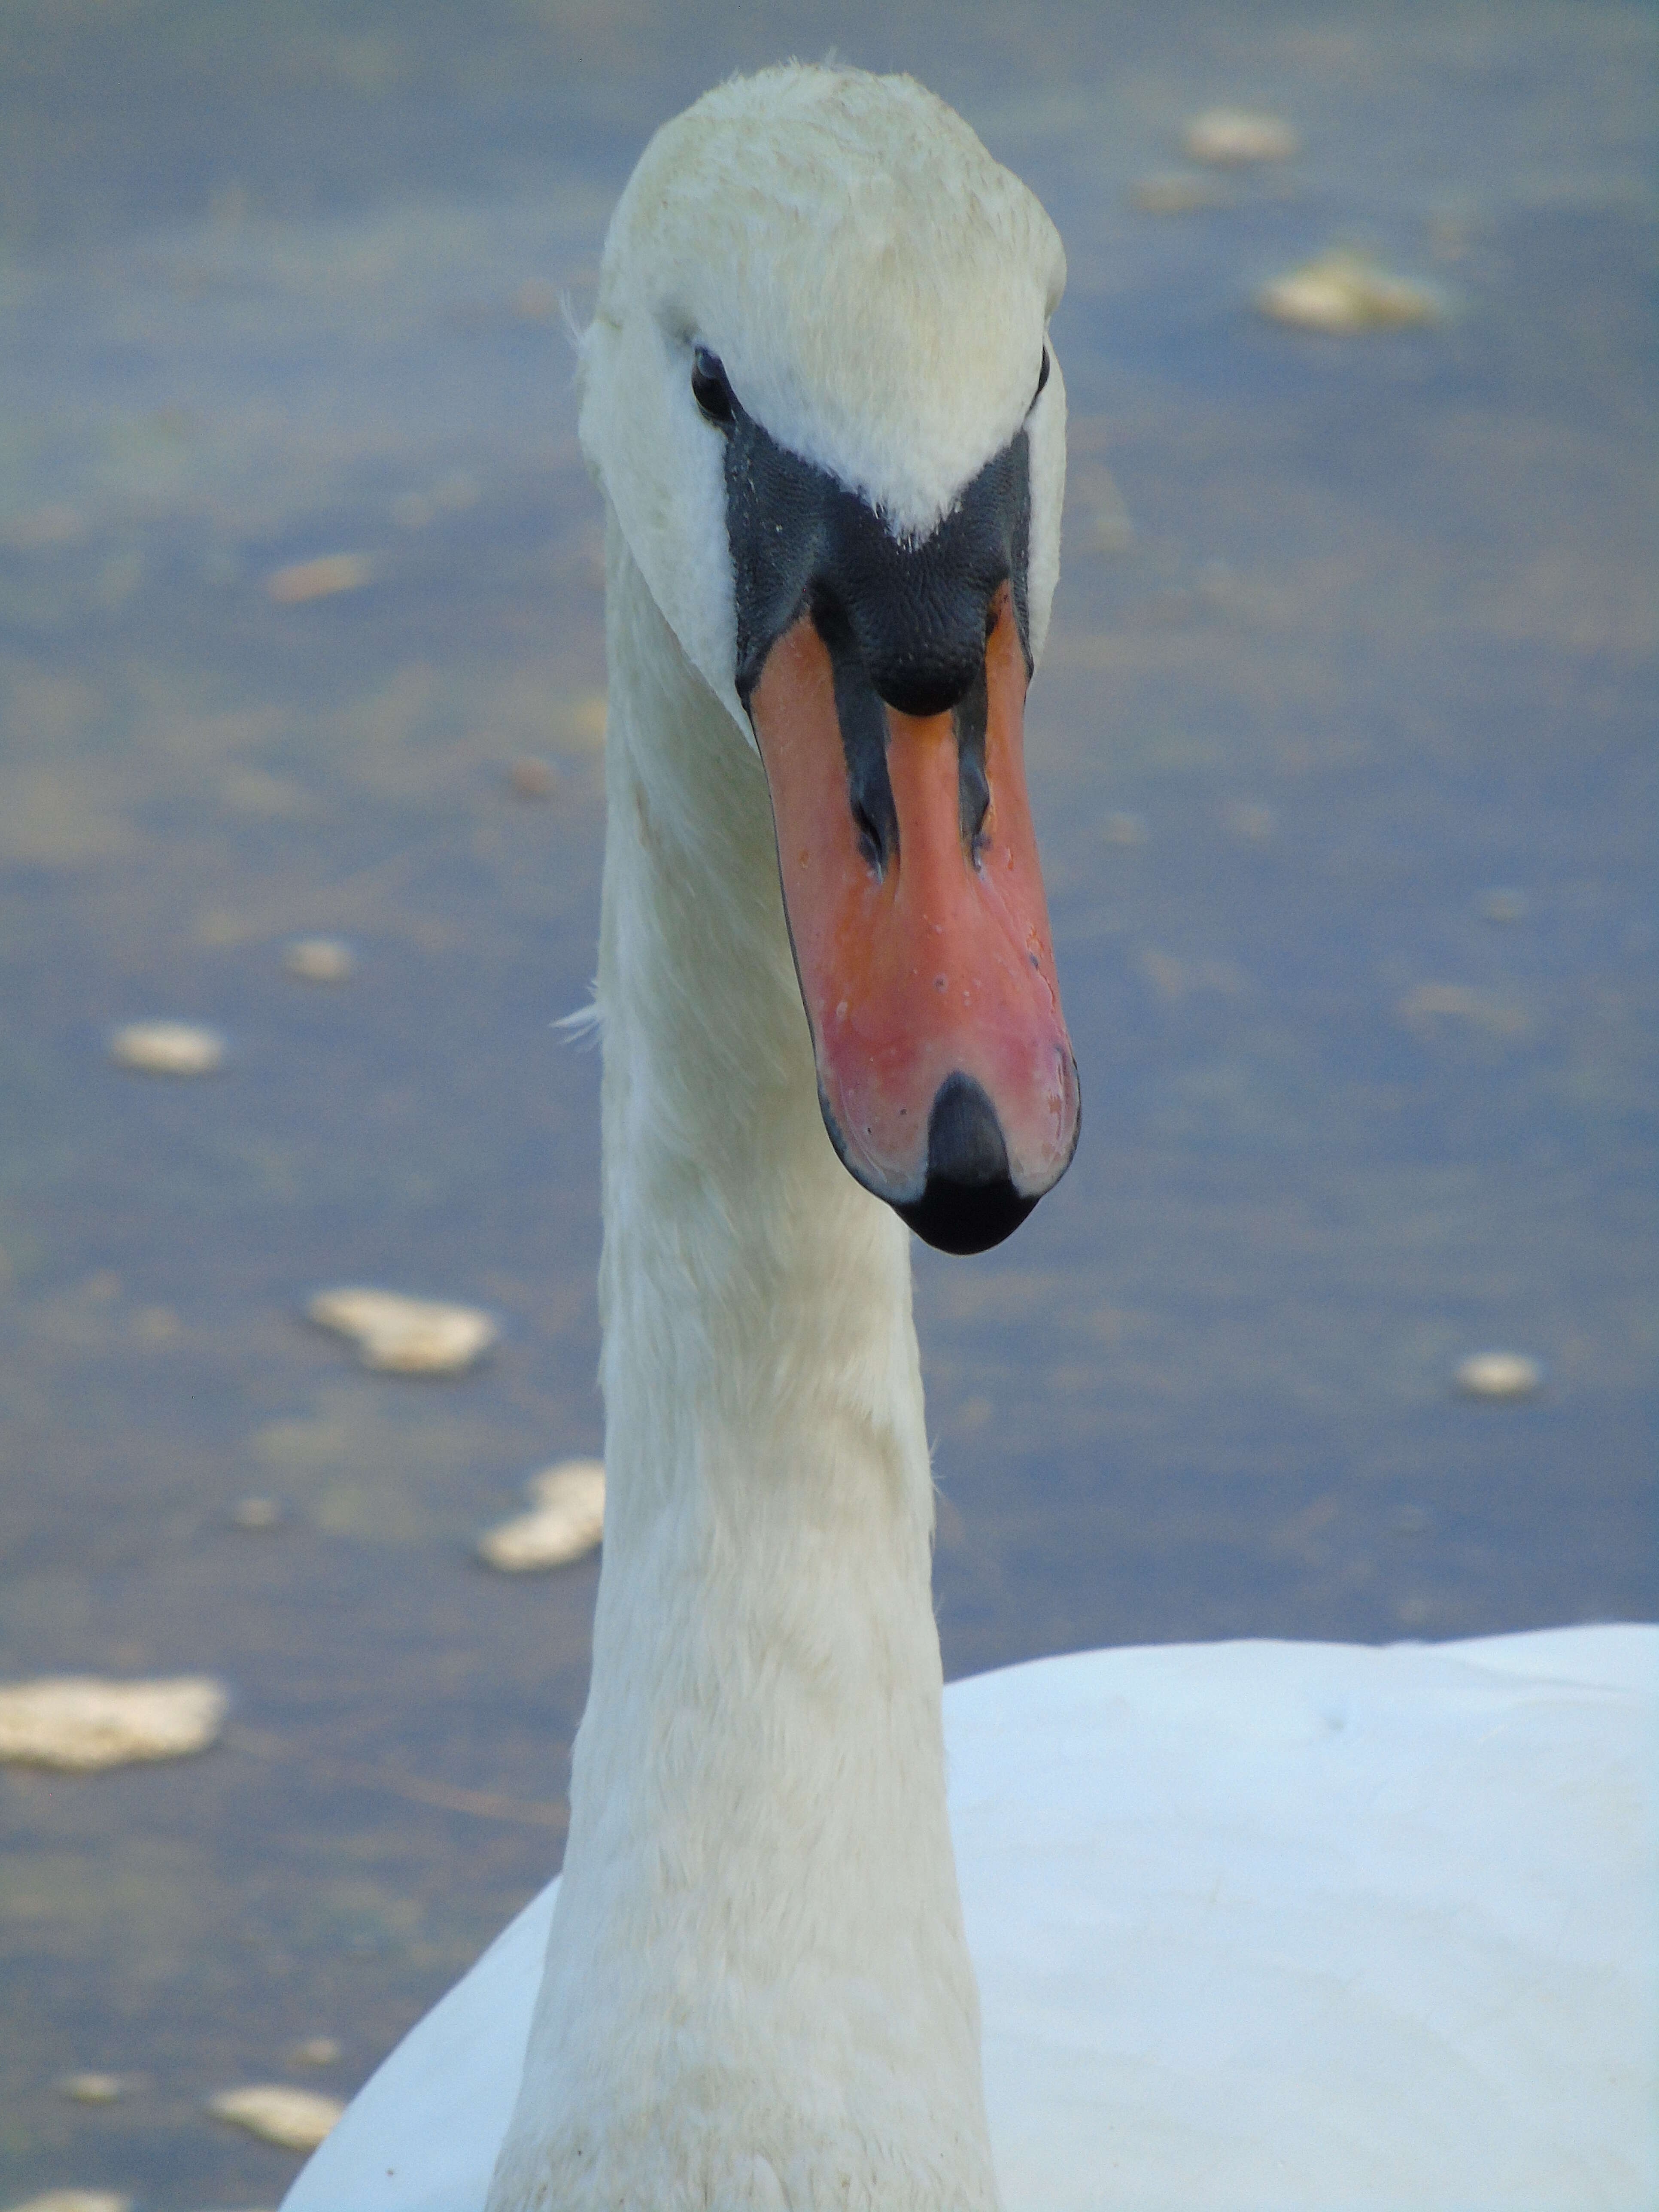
point(921, 939)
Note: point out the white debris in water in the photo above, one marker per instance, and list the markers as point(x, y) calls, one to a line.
point(95, 2089)
point(295, 2119)
point(400, 1336)
point(1504, 906)
point(1343, 293)
point(77, 2200)
point(314, 2050)
point(1253, 822)
point(1499, 1374)
point(565, 1522)
point(1231, 137)
point(326, 578)
point(167, 1048)
point(79, 1723)
point(319, 959)
point(1426, 1006)
point(258, 1513)
point(1124, 829)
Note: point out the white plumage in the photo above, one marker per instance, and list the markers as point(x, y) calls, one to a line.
point(1259, 1928)
point(1253, 1925)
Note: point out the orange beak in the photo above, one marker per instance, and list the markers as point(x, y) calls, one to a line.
point(945, 1072)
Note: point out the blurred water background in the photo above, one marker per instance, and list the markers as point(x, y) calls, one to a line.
point(1342, 765)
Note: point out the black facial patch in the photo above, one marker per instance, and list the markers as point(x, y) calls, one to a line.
point(914, 614)
point(905, 624)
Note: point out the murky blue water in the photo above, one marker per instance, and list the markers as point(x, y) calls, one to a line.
point(1375, 644)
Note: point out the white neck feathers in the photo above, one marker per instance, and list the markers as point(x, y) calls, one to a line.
point(758, 1992)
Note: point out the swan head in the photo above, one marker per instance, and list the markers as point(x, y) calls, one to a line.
point(819, 393)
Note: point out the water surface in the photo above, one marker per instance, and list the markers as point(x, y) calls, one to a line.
point(1352, 636)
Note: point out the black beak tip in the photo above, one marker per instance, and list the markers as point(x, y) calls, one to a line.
point(963, 1217)
point(968, 1202)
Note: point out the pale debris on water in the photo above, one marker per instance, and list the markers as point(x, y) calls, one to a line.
point(565, 1522)
point(1250, 820)
point(295, 2119)
point(79, 1723)
point(532, 778)
point(95, 2089)
point(1427, 1005)
point(1231, 137)
point(319, 959)
point(167, 1048)
point(258, 1513)
point(585, 719)
point(314, 2050)
point(400, 1336)
point(1343, 293)
point(1499, 1374)
point(325, 578)
point(77, 2200)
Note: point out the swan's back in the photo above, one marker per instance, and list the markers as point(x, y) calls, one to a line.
point(1287, 1926)
point(1259, 1928)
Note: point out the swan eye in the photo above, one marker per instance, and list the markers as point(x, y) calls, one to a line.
point(1042, 378)
point(709, 387)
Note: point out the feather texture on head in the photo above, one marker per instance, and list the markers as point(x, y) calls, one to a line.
point(891, 330)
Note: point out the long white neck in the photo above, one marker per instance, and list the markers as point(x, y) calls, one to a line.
point(757, 1991)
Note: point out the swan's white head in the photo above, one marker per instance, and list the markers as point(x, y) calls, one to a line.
point(819, 394)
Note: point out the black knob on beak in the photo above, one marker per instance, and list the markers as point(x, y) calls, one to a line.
point(968, 1202)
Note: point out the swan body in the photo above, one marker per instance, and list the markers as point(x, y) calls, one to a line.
point(1258, 1927)
point(1253, 1925)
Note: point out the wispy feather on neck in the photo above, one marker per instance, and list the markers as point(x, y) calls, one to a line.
point(585, 1025)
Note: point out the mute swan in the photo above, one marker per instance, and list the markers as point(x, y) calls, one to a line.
point(1258, 1925)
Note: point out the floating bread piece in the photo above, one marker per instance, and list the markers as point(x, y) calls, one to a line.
point(79, 1723)
point(1250, 820)
point(532, 779)
point(565, 1522)
point(167, 1048)
point(319, 959)
point(1504, 906)
point(295, 2119)
point(586, 719)
point(322, 579)
point(260, 1513)
point(77, 2200)
point(1426, 1005)
point(95, 2089)
point(400, 1336)
point(1343, 293)
point(1499, 1374)
point(314, 2050)
point(1229, 137)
